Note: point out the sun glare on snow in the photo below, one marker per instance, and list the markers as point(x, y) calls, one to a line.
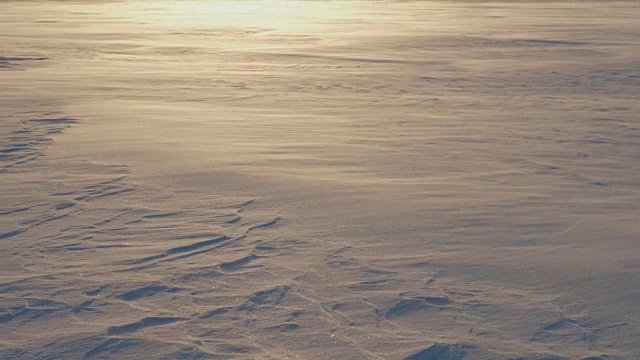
point(273, 13)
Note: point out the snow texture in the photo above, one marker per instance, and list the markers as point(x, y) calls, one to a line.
point(416, 180)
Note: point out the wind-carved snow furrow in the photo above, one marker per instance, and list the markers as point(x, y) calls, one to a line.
point(18, 62)
point(142, 324)
point(9, 234)
point(441, 351)
point(190, 248)
point(388, 299)
point(268, 224)
point(86, 226)
point(146, 291)
point(236, 265)
point(27, 144)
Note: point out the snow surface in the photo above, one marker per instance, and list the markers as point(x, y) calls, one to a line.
point(411, 180)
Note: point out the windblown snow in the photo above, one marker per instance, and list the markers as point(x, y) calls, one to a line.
point(432, 180)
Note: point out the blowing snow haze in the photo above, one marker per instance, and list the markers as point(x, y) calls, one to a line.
point(433, 180)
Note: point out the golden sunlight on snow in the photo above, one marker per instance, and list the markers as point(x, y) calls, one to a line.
point(262, 14)
point(363, 180)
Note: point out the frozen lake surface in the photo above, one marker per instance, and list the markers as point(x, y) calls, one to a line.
point(433, 180)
